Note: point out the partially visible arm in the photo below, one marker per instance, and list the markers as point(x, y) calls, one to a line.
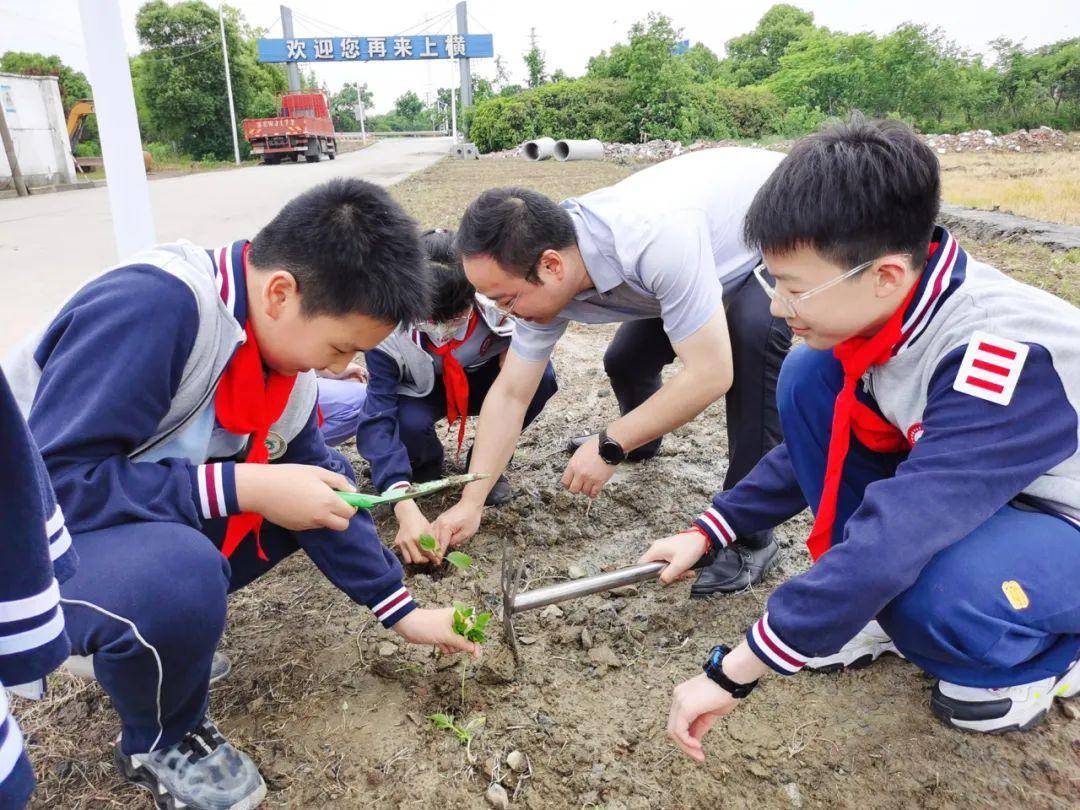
point(497, 433)
point(378, 438)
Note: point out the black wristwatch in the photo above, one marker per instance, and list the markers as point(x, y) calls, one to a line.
point(610, 450)
point(716, 674)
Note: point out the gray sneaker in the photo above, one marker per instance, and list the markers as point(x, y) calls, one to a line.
point(220, 668)
point(201, 772)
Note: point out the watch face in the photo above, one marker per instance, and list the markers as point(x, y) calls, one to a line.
point(610, 451)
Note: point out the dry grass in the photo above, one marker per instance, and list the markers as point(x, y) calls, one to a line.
point(1042, 185)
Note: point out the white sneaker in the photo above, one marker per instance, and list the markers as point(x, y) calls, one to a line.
point(1010, 708)
point(867, 646)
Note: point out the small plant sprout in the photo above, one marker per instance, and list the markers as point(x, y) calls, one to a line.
point(470, 625)
point(428, 543)
point(460, 560)
point(463, 733)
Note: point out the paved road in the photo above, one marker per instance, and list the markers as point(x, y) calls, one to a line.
point(51, 243)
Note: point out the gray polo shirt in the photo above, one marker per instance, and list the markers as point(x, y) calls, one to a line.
point(660, 244)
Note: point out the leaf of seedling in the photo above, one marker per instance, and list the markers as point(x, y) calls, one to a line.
point(428, 543)
point(476, 632)
point(460, 560)
point(442, 721)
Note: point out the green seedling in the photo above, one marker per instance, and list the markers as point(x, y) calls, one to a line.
point(460, 560)
point(470, 625)
point(464, 733)
point(428, 543)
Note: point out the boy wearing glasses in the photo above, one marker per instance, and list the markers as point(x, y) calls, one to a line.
point(661, 252)
point(930, 422)
point(441, 366)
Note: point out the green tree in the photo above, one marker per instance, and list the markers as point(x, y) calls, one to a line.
point(180, 78)
point(73, 84)
point(704, 65)
point(408, 105)
point(534, 62)
point(827, 71)
point(659, 80)
point(343, 106)
point(755, 56)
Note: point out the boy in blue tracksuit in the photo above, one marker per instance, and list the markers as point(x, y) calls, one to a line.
point(35, 556)
point(174, 406)
point(443, 365)
point(931, 422)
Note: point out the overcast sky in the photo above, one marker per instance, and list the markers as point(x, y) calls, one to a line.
point(568, 31)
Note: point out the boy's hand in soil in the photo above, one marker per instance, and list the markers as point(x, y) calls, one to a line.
point(297, 497)
point(587, 472)
point(680, 551)
point(696, 703)
point(435, 626)
point(412, 524)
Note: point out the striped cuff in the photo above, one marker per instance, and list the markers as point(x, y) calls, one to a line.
point(215, 489)
point(716, 528)
point(394, 606)
point(771, 649)
point(59, 537)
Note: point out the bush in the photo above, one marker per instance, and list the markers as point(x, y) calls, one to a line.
point(754, 110)
point(798, 121)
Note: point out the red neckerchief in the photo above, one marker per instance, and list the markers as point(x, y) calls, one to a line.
point(856, 356)
point(249, 400)
point(455, 381)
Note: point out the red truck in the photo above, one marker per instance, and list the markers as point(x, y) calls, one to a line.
point(303, 128)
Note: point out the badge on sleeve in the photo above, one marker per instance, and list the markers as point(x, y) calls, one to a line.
point(991, 368)
point(276, 445)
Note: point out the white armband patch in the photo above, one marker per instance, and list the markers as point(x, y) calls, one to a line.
point(991, 368)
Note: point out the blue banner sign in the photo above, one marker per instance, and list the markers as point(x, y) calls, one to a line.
point(377, 49)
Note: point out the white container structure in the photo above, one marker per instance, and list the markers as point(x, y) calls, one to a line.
point(579, 150)
point(539, 149)
point(35, 117)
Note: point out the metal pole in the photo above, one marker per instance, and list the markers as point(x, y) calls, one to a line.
point(463, 63)
point(287, 32)
point(453, 111)
point(118, 125)
point(360, 112)
point(228, 85)
point(9, 150)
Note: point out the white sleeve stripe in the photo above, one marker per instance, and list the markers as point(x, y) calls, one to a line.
point(16, 610)
point(55, 523)
point(219, 488)
point(32, 639)
point(395, 487)
point(728, 532)
point(59, 546)
point(204, 499)
point(389, 599)
point(764, 648)
point(12, 747)
point(776, 639)
point(383, 617)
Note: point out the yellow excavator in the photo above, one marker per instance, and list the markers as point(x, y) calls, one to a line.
point(75, 123)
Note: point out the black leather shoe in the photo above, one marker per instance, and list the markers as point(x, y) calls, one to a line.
point(736, 568)
point(643, 453)
point(500, 493)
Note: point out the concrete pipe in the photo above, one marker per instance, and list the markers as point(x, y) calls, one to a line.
point(579, 150)
point(540, 149)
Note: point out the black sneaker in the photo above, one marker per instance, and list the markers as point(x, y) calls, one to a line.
point(736, 568)
point(201, 772)
point(643, 453)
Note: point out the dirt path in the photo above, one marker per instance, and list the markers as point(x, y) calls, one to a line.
point(337, 719)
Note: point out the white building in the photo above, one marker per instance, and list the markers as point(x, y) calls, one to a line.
point(35, 117)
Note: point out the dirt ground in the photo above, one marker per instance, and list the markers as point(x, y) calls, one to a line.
point(334, 709)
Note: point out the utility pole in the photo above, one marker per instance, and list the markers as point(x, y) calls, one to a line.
point(360, 111)
point(228, 85)
point(9, 150)
point(287, 32)
point(463, 63)
point(118, 125)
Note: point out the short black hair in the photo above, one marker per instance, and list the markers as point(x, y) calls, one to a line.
point(451, 292)
point(352, 249)
point(514, 226)
point(853, 192)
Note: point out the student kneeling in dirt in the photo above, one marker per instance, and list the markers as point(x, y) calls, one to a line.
point(442, 365)
point(661, 251)
point(947, 528)
point(158, 395)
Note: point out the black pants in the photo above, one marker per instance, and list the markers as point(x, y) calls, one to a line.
point(759, 343)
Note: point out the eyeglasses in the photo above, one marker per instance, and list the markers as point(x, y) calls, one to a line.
point(504, 308)
point(789, 303)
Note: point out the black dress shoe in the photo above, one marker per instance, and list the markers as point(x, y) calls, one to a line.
point(500, 493)
point(736, 568)
point(643, 453)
